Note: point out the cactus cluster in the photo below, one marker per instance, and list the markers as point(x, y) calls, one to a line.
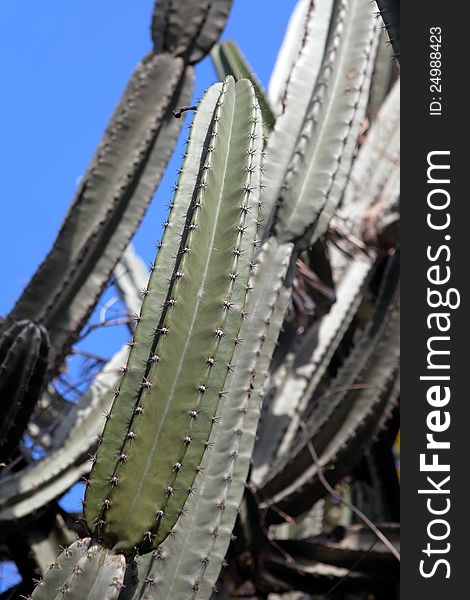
point(244, 421)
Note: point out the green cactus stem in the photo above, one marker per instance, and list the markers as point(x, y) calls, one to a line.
point(344, 424)
point(186, 565)
point(390, 12)
point(188, 28)
point(228, 59)
point(321, 162)
point(24, 350)
point(291, 88)
point(182, 352)
point(83, 571)
point(110, 203)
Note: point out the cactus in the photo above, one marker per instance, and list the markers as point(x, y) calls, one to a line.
point(111, 201)
point(121, 179)
point(389, 10)
point(229, 60)
point(83, 571)
point(243, 357)
point(188, 28)
point(24, 349)
point(179, 390)
point(367, 389)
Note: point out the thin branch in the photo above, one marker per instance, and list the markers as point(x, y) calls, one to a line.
point(94, 326)
point(364, 518)
point(178, 113)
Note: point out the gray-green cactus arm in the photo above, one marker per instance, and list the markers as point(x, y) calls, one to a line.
point(228, 59)
point(110, 203)
point(320, 165)
point(182, 352)
point(188, 28)
point(296, 72)
point(341, 427)
point(24, 352)
point(83, 571)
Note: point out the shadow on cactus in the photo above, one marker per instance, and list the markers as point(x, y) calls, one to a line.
point(247, 446)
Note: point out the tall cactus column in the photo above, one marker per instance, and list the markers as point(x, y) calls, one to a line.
point(188, 331)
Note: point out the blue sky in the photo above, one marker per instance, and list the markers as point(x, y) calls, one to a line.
point(64, 66)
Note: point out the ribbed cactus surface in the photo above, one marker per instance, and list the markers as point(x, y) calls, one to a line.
point(24, 349)
point(83, 571)
point(182, 352)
